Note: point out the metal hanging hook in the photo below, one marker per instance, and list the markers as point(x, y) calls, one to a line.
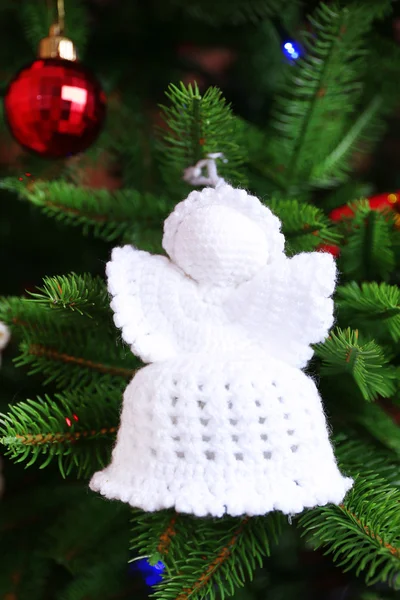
point(61, 15)
point(194, 175)
point(56, 45)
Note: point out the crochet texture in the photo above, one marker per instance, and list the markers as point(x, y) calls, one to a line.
point(223, 420)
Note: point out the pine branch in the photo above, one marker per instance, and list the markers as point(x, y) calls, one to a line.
point(63, 304)
point(203, 579)
point(167, 535)
point(75, 363)
point(371, 235)
point(197, 564)
point(19, 314)
point(109, 215)
point(342, 353)
point(65, 429)
point(363, 533)
point(196, 126)
point(320, 98)
point(37, 18)
point(305, 226)
point(371, 305)
point(155, 535)
point(62, 344)
point(37, 323)
point(366, 130)
point(85, 294)
point(378, 424)
point(42, 351)
point(357, 454)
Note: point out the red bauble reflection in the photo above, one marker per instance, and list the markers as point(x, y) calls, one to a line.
point(55, 107)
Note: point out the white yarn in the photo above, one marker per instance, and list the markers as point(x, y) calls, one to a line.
point(220, 435)
point(224, 421)
point(194, 175)
point(215, 245)
point(239, 202)
point(5, 335)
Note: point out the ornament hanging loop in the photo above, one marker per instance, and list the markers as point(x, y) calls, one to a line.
point(194, 175)
point(61, 15)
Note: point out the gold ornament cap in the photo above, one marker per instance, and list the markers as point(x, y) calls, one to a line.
point(57, 46)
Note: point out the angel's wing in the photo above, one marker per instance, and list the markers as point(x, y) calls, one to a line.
point(134, 280)
point(162, 312)
point(287, 306)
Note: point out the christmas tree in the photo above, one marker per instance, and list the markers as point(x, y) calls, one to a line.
point(301, 103)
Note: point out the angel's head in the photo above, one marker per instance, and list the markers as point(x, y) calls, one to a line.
point(222, 236)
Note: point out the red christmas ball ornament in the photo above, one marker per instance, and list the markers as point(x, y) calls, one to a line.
point(55, 107)
point(379, 202)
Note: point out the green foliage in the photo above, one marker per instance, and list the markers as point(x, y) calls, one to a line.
point(84, 294)
point(36, 571)
point(236, 11)
point(103, 579)
point(377, 10)
point(155, 534)
point(125, 147)
point(367, 128)
point(19, 313)
point(365, 361)
point(370, 239)
point(61, 542)
point(258, 169)
point(207, 554)
point(369, 305)
point(346, 194)
point(377, 423)
point(37, 17)
point(304, 226)
point(66, 334)
point(25, 318)
point(384, 69)
point(320, 99)
point(75, 360)
point(64, 428)
point(109, 522)
point(7, 5)
point(363, 533)
point(109, 215)
point(17, 511)
point(198, 125)
point(359, 452)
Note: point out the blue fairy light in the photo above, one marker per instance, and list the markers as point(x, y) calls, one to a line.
point(291, 50)
point(152, 574)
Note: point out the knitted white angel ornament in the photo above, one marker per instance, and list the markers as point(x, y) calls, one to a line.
point(222, 420)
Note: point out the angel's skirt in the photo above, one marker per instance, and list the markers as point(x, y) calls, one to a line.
point(212, 435)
